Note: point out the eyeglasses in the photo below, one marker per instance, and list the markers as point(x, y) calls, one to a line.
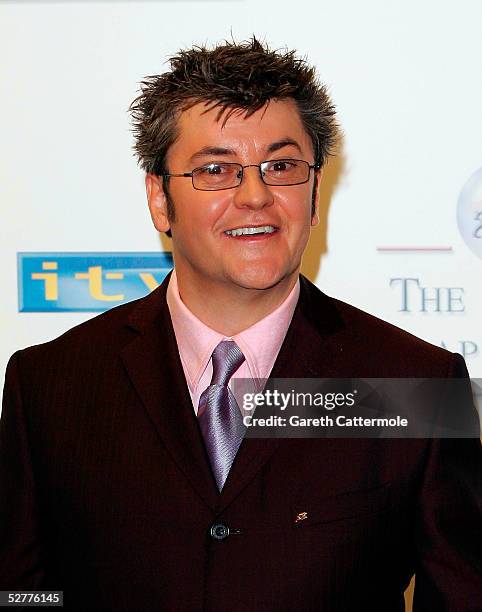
point(279, 172)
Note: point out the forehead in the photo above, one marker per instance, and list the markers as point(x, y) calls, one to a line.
point(277, 121)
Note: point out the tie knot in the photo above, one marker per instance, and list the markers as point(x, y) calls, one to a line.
point(227, 357)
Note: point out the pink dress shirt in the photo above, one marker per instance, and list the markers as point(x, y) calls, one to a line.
point(259, 343)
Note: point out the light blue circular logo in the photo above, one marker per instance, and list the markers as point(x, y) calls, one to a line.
point(469, 213)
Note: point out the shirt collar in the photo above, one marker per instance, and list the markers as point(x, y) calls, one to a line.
point(259, 343)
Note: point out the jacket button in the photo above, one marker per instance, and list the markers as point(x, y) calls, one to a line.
point(219, 531)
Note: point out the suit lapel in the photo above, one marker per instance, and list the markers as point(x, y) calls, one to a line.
point(307, 352)
point(153, 365)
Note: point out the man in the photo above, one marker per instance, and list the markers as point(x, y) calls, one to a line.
point(125, 482)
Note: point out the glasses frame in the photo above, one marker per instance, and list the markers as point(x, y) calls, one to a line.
point(314, 167)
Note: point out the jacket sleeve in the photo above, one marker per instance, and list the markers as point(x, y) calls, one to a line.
point(20, 550)
point(448, 575)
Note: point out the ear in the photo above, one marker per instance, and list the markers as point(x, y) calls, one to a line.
point(315, 219)
point(157, 201)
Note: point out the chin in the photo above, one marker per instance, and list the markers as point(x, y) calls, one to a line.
point(257, 277)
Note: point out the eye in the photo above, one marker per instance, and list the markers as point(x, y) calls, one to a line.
point(285, 171)
point(216, 176)
point(212, 169)
point(281, 166)
point(217, 172)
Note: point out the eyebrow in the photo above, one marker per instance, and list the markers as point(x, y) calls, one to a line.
point(209, 151)
point(284, 142)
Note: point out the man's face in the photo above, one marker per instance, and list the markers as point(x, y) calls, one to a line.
point(204, 253)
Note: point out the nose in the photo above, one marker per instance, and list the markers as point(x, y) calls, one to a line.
point(252, 193)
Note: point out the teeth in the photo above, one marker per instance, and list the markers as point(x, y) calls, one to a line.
point(243, 231)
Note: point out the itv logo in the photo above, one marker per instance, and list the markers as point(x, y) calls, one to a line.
point(87, 282)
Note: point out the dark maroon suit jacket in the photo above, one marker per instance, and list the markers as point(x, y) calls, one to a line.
point(107, 494)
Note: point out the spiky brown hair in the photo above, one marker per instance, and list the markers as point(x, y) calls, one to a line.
point(230, 76)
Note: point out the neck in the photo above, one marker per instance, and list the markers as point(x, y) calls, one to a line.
point(231, 309)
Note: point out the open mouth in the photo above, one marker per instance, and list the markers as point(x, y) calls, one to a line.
point(262, 230)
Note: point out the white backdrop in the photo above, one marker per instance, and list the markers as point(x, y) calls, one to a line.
point(404, 74)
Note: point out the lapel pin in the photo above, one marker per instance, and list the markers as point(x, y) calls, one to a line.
point(301, 516)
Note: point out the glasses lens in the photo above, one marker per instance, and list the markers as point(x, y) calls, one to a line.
point(217, 176)
point(285, 171)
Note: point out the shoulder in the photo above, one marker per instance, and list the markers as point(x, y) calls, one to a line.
point(376, 346)
point(99, 338)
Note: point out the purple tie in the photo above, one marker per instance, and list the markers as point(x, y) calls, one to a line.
point(219, 415)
